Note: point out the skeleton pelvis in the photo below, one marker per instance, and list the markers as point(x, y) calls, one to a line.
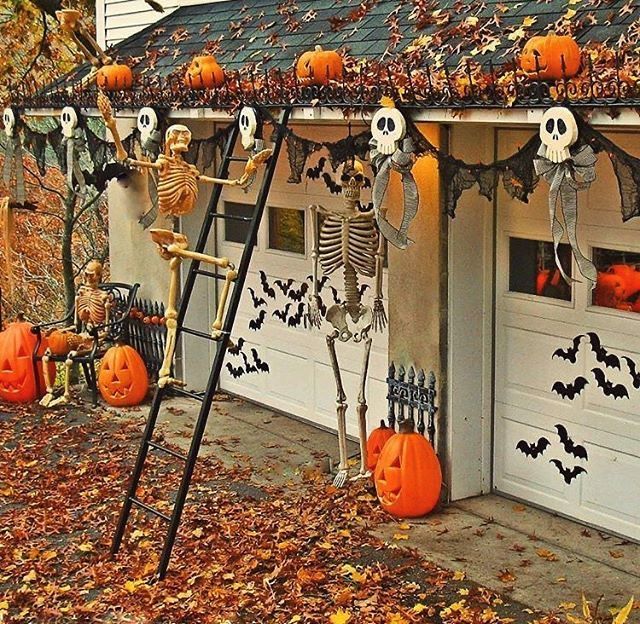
point(350, 322)
point(63, 342)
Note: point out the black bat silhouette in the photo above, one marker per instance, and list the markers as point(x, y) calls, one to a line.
point(334, 294)
point(331, 184)
point(258, 322)
point(533, 449)
point(602, 355)
point(235, 349)
point(284, 286)
point(110, 171)
point(569, 474)
point(297, 318)
point(262, 366)
point(313, 173)
point(270, 292)
point(570, 390)
point(617, 391)
point(257, 301)
point(571, 353)
point(298, 295)
point(321, 282)
point(635, 375)
point(282, 314)
point(363, 289)
point(576, 450)
point(235, 371)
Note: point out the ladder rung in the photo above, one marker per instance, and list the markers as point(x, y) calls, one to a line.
point(151, 510)
point(236, 159)
point(192, 395)
point(223, 215)
point(196, 332)
point(210, 274)
point(166, 450)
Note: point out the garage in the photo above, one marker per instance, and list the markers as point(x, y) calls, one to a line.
point(566, 403)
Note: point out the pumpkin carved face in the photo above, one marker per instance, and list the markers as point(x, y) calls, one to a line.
point(123, 379)
point(18, 381)
point(318, 67)
point(543, 57)
point(114, 77)
point(408, 478)
point(204, 73)
point(376, 441)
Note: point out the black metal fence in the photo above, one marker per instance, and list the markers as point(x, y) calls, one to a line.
point(412, 396)
point(147, 333)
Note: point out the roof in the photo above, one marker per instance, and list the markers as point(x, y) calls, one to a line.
point(255, 37)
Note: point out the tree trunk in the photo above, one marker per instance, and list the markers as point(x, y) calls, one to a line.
point(67, 259)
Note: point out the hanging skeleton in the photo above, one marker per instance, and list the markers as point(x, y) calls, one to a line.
point(13, 157)
point(348, 240)
point(393, 150)
point(567, 172)
point(73, 142)
point(250, 125)
point(151, 147)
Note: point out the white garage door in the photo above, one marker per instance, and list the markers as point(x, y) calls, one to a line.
point(567, 426)
point(299, 380)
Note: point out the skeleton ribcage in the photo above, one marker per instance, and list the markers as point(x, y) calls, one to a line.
point(177, 189)
point(90, 305)
point(348, 242)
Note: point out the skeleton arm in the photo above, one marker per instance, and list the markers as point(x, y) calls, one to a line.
point(106, 110)
point(142, 163)
point(379, 314)
point(313, 305)
point(248, 175)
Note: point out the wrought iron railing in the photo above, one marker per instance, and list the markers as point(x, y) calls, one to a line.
point(468, 85)
point(147, 333)
point(409, 398)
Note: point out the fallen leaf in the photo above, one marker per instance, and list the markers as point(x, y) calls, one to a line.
point(507, 577)
point(400, 536)
point(340, 617)
point(459, 575)
point(544, 553)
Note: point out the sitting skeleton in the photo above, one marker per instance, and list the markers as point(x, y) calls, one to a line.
point(174, 248)
point(92, 308)
point(349, 240)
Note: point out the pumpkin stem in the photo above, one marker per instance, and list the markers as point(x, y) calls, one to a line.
point(383, 425)
point(406, 426)
point(318, 48)
point(20, 317)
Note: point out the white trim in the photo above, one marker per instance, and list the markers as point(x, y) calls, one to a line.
point(101, 26)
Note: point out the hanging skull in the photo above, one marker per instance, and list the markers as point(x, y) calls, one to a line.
point(248, 123)
point(351, 180)
point(147, 123)
point(9, 120)
point(558, 132)
point(68, 121)
point(388, 128)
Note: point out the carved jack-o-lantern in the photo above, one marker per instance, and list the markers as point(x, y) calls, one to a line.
point(204, 73)
point(375, 443)
point(318, 67)
point(123, 379)
point(114, 77)
point(551, 57)
point(408, 476)
point(18, 382)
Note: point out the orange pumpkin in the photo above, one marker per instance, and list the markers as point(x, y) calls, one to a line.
point(318, 67)
point(543, 56)
point(123, 379)
point(19, 381)
point(114, 77)
point(376, 441)
point(204, 73)
point(58, 343)
point(610, 290)
point(408, 478)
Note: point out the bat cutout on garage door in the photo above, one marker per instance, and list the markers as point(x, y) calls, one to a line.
point(571, 353)
point(608, 387)
point(569, 474)
point(258, 302)
point(602, 355)
point(635, 375)
point(570, 447)
point(570, 390)
point(533, 449)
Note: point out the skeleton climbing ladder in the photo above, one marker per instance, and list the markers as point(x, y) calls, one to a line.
point(147, 444)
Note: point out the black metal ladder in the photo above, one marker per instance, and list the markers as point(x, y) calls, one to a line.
point(222, 344)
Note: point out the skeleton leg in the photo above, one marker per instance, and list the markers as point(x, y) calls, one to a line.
point(66, 397)
point(48, 382)
point(171, 315)
point(362, 410)
point(216, 329)
point(341, 408)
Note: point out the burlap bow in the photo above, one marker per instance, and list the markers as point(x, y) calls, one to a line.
point(565, 180)
point(13, 155)
point(402, 161)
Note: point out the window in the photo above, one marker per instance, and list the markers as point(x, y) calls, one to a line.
point(618, 284)
point(533, 271)
point(237, 231)
point(286, 230)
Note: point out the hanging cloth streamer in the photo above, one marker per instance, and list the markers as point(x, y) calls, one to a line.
point(6, 225)
point(73, 146)
point(151, 148)
point(13, 154)
point(565, 180)
point(402, 161)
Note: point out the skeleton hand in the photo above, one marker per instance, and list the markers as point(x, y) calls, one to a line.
point(379, 315)
point(313, 316)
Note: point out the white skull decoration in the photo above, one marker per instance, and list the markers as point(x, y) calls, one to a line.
point(147, 123)
point(9, 120)
point(248, 124)
point(388, 128)
point(68, 121)
point(558, 132)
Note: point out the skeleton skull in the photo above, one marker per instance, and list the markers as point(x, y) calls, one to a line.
point(93, 273)
point(147, 123)
point(68, 121)
point(388, 128)
point(177, 138)
point(9, 120)
point(352, 179)
point(558, 132)
point(248, 123)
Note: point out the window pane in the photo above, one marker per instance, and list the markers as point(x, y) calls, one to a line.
point(286, 230)
point(618, 284)
point(532, 268)
point(236, 231)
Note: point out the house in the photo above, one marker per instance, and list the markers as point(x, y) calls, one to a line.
point(476, 299)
